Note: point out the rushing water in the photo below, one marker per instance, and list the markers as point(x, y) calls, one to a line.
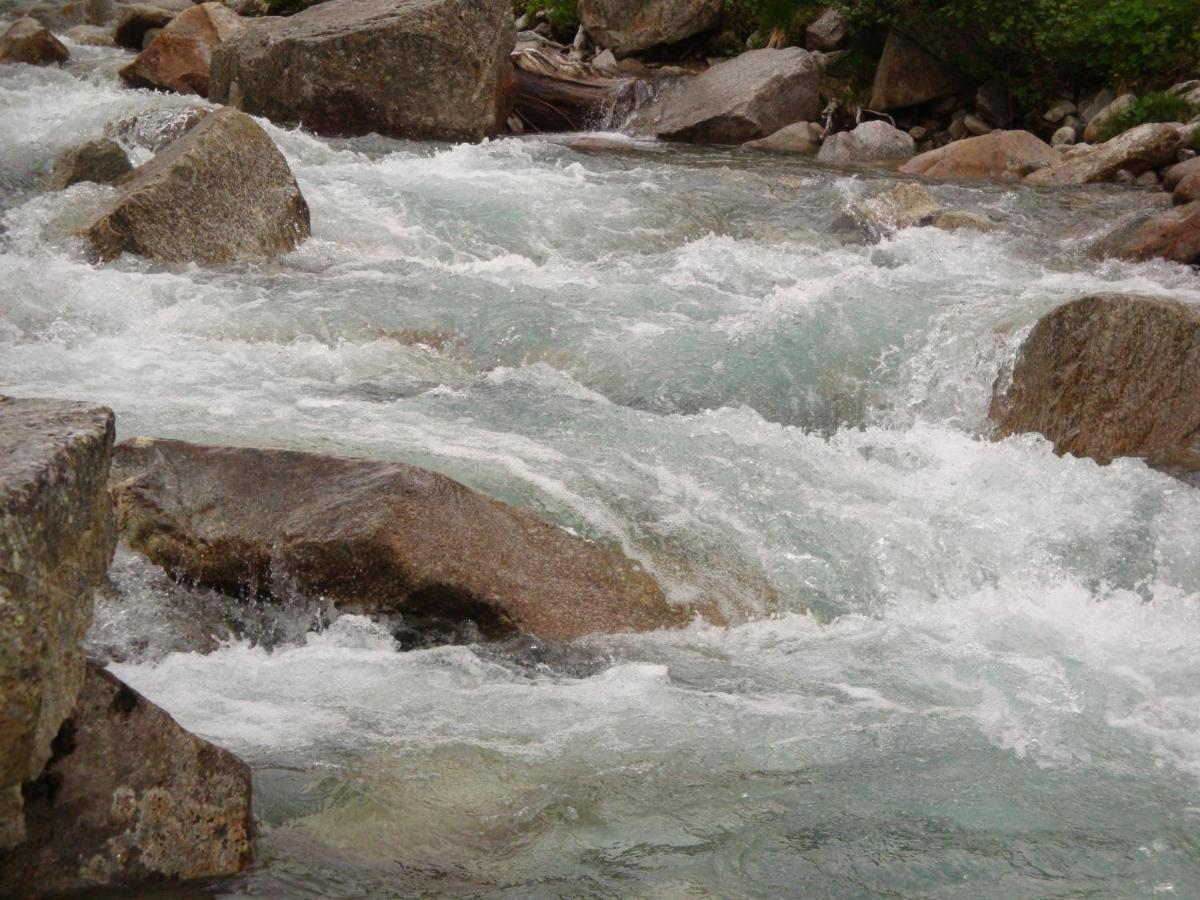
point(954, 667)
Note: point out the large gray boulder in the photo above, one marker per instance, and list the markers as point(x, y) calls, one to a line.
point(129, 797)
point(908, 75)
point(434, 69)
point(178, 58)
point(221, 192)
point(869, 142)
point(627, 26)
point(1109, 376)
point(742, 99)
point(29, 41)
point(1138, 150)
point(56, 539)
point(374, 538)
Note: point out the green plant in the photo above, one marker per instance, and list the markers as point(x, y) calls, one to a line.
point(1152, 107)
point(563, 15)
point(786, 19)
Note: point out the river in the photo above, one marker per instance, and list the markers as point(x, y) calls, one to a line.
point(952, 667)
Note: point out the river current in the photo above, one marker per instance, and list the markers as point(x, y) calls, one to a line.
point(952, 667)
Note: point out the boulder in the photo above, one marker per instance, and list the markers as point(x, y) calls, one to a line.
point(1173, 235)
point(1001, 154)
point(1100, 120)
point(102, 161)
point(1187, 190)
point(221, 192)
point(739, 100)
point(1110, 376)
point(135, 21)
point(1136, 151)
point(129, 797)
point(56, 539)
point(372, 537)
point(799, 137)
point(993, 105)
point(1180, 171)
point(828, 31)
point(434, 69)
point(907, 205)
point(907, 75)
point(869, 142)
point(28, 41)
point(627, 26)
point(177, 59)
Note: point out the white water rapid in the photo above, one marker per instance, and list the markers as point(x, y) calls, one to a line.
point(956, 668)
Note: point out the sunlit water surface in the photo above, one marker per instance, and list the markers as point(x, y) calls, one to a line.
point(954, 667)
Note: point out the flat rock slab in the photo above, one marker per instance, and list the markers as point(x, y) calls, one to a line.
point(739, 100)
point(372, 537)
point(425, 69)
point(221, 192)
point(999, 155)
point(130, 798)
point(56, 539)
point(1108, 376)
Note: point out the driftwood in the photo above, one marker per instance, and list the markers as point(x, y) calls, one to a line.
point(555, 93)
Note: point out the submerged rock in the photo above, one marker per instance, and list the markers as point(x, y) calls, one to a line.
point(869, 142)
point(56, 540)
point(1001, 154)
point(627, 26)
point(907, 205)
point(178, 57)
point(907, 75)
point(1173, 235)
point(739, 100)
point(102, 161)
point(799, 137)
point(435, 69)
point(373, 537)
point(155, 128)
point(28, 41)
point(1108, 376)
point(221, 192)
point(1136, 151)
point(129, 797)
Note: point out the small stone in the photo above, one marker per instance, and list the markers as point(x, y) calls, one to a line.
point(976, 125)
point(1064, 137)
point(918, 133)
point(1147, 179)
point(1059, 111)
point(1124, 176)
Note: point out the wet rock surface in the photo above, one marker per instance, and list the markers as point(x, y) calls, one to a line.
point(178, 57)
point(373, 537)
point(1110, 376)
point(435, 69)
point(102, 161)
point(129, 797)
point(221, 192)
point(1173, 235)
point(29, 41)
point(56, 540)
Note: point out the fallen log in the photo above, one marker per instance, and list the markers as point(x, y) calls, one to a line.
point(555, 93)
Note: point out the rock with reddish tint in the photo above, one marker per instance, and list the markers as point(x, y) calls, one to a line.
point(28, 41)
point(177, 59)
point(907, 75)
point(56, 539)
point(129, 798)
point(1187, 189)
point(425, 69)
point(374, 538)
point(1180, 171)
point(1110, 376)
point(221, 192)
point(739, 100)
point(999, 155)
point(1173, 235)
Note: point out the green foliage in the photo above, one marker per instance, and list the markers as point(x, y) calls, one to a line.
point(1041, 47)
point(1153, 107)
point(789, 17)
point(563, 15)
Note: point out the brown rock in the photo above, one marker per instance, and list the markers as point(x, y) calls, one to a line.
point(177, 59)
point(907, 75)
point(56, 539)
point(102, 161)
point(373, 537)
point(799, 137)
point(1187, 190)
point(1136, 151)
point(1179, 171)
point(28, 41)
point(739, 100)
point(221, 192)
point(433, 69)
point(627, 26)
point(129, 798)
point(1001, 154)
point(155, 128)
point(1109, 376)
point(1172, 235)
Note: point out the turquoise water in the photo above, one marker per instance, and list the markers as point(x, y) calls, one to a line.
point(953, 667)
